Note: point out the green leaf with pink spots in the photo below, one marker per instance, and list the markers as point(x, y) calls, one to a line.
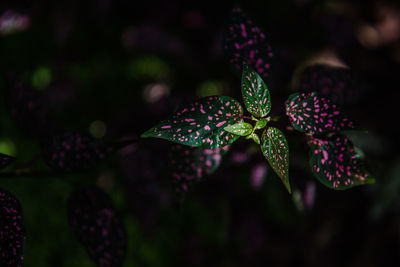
point(312, 114)
point(255, 93)
point(245, 41)
point(241, 128)
point(190, 164)
point(201, 124)
point(335, 163)
point(276, 149)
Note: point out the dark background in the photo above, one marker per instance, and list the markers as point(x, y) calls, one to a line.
point(113, 69)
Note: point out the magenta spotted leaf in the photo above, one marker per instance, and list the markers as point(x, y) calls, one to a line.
point(255, 93)
point(69, 151)
point(276, 149)
point(94, 221)
point(312, 114)
point(335, 163)
point(190, 164)
point(241, 128)
point(5, 160)
point(243, 41)
point(12, 230)
point(202, 123)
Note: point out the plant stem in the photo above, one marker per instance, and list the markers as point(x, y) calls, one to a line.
point(29, 173)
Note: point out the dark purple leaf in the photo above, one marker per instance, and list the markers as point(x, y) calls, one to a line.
point(202, 123)
point(70, 152)
point(336, 84)
point(12, 230)
point(189, 164)
point(5, 160)
point(97, 226)
point(243, 41)
point(335, 163)
point(313, 114)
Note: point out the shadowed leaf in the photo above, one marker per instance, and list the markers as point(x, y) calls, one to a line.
point(276, 149)
point(68, 152)
point(312, 114)
point(12, 230)
point(335, 163)
point(337, 84)
point(189, 164)
point(255, 93)
point(96, 225)
point(201, 124)
point(244, 41)
point(5, 160)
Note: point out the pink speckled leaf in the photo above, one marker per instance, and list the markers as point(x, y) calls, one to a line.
point(243, 41)
point(255, 93)
point(201, 123)
point(313, 114)
point(189, 164)
point(5, 160)
point(12, 230)
point(335, 163)
point(69, 152)
point(94, 221)
point(276, 149)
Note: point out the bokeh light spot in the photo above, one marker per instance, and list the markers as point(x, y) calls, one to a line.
point(155, 91)
point(211, 87)
point(41, 78)
point(98, 129)
point(149, 66)
point(8, 147)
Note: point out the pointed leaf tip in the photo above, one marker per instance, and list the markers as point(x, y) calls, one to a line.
point(202, 123)
point(255, 93)
point(313, 114)
point(335, 163)
point(5, 160)
point(276, 149)
point(245, 41)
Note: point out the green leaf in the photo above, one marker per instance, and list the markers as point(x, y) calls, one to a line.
point(254, 137)
point(261, 123)
point(276, 149)
point(312, 114)
point(241, 128)
point(201, 124)
point(255, 93)
point(335, 163)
